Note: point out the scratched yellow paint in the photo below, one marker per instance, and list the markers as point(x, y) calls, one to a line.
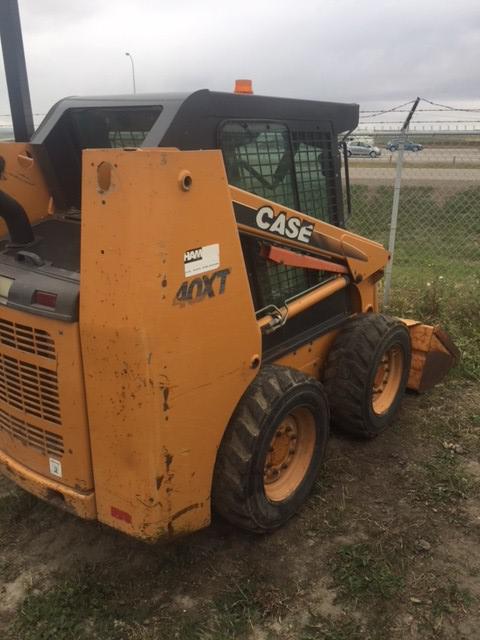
point(162, 376)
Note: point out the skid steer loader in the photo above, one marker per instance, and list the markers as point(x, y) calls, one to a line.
point(183, 312)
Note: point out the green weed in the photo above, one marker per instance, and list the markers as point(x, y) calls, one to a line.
point(80, 607)
point(449, 599)
point(363, 572)
point(444, 481)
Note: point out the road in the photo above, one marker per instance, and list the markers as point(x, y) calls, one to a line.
point(453, 165)
point(434, 155)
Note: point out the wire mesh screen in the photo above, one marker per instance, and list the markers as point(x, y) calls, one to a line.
point(314, 173)
point(273, 283)
point(293, 168)
point(259, 159)
point(282, 282)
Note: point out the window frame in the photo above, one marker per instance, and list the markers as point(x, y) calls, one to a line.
point(261, 296)
point(334, 197)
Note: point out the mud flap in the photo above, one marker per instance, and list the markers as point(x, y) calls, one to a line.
point(433, 355)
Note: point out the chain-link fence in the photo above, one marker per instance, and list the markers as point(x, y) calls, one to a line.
point(438, 227)
point(436, 260)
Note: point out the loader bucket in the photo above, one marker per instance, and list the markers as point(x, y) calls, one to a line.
point(433, 355)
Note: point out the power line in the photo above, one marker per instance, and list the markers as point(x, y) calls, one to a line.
point(446, 122)
point(425, 111)
point(399, 109)
point(446, 107)
point(382, 111)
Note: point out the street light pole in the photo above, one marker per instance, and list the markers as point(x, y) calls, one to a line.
point(133, 71)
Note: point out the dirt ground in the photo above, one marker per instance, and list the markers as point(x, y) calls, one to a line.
point(386, 548)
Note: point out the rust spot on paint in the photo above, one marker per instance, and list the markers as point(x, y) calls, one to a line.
point(171, 530)
point(166, 391)
point(168, 460)
point(183, 511)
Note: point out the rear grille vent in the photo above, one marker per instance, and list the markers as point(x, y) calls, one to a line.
point(24, 338)
point(43, 441)
point(29, 388)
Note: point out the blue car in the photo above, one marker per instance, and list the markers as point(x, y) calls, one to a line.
point(393, 145)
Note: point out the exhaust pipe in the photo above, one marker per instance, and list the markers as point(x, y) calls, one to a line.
point(16, 219)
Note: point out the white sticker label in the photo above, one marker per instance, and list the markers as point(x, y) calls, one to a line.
point(201, 259)
point(55, 467)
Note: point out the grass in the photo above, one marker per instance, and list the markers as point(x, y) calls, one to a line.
point(448, 599)
point(436, 267)
point(452, 306)
point(322, 629)
point(442, 481)
point(73, 608)
point(446, 604)
point(365, 572)
point(97, 603)
point(433, 222)
point(234, 612)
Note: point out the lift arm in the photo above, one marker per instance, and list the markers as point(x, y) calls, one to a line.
point(346, 251)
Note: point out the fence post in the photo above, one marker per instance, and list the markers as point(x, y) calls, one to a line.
point(393, 224)
point(395, 203)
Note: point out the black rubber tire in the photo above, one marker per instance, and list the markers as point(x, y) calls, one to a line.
point(372, 154)
point(349, 154)
point(351, 367)
point(238, 492)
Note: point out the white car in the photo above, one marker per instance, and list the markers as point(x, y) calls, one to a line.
point(363, 149)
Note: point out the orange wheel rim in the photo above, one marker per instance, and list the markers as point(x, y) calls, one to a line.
point(290, 454)
point(387, 380)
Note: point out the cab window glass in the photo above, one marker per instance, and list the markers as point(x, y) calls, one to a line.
point(292, 167)
point(314, 172)
point(270, 282)
point(106, 127)
point(258, 159)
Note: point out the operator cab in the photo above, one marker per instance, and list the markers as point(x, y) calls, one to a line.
point(284, 150)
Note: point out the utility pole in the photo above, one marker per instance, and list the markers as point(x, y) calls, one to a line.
point(16, 70)
point(129, 55)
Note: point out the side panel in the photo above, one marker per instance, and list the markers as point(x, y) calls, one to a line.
point(168, 333)
point(43, 422)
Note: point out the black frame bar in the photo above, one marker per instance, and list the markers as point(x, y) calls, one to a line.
point(16, 70)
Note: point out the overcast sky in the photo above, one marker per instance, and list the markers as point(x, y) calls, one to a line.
point(366, 51)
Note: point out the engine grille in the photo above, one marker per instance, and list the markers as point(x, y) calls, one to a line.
point(29, 339)
point(29, 388)
point(45, 442)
